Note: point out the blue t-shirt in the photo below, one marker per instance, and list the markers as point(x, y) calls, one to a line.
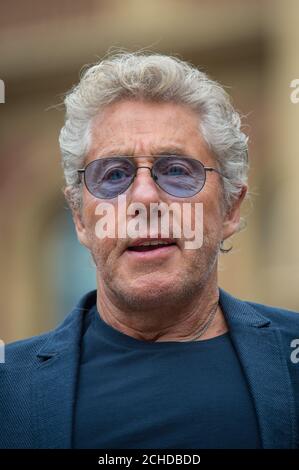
point(134, 394)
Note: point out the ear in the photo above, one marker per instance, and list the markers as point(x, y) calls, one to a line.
point(232, 218)
point(81, 231)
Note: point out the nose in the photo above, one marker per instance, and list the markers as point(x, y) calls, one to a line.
point(144, 188)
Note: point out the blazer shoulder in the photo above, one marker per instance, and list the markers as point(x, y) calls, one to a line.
point(68, 332)
point(278, 316)
point(20, 352)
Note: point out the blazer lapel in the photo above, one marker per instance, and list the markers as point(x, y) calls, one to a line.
point(54, 381)
point(54, 391)
point(261, 354)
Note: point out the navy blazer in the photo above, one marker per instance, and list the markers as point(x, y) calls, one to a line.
point(38, 378)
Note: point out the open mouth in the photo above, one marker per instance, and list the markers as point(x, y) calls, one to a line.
point(150, 246)
point(155, 250)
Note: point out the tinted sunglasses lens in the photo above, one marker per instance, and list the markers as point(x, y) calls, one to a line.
point(108, 177)
point(179, 176)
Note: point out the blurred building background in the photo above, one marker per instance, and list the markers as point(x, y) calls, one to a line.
point(250, 47)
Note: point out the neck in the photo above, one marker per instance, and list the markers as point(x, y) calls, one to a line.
point(193, 319)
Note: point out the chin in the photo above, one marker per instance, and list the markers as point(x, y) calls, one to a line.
point(153, 284)
point(149, 293)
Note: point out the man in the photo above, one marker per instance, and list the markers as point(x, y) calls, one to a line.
point(158, 356)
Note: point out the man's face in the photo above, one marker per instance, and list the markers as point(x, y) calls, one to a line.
point(136, 128)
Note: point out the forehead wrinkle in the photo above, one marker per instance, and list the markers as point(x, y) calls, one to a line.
point(114, 144)
point(155, 150)
point(172, 125)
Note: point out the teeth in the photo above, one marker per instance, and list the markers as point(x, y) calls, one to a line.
point(155, 242)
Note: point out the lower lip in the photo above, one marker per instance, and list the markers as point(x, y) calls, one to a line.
point(157, 253)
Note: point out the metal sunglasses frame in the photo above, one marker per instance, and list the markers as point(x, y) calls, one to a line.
point(82, 171)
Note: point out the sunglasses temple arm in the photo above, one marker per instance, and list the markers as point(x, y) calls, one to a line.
point(207, 168)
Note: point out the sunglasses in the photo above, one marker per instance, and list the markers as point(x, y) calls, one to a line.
point(177, 175)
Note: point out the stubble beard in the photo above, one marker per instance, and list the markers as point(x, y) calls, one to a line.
point(186, 285)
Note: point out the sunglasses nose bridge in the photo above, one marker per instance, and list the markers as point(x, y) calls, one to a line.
point(152, 175)
point(147, 167)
